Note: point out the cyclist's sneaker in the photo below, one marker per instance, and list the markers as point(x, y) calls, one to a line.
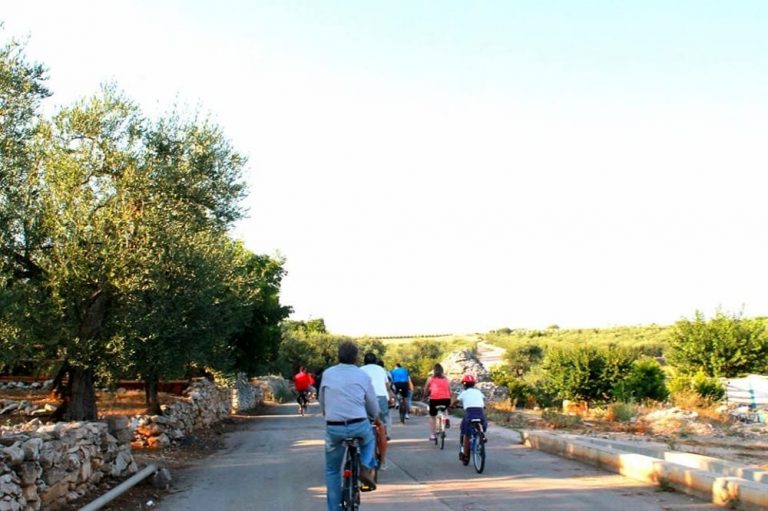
point(407, 415)
point(384, 466)
point(432, 438)
point(366, 477)
point(484, 439)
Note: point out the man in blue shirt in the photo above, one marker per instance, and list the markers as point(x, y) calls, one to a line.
point(347, 400)
point(402, 381)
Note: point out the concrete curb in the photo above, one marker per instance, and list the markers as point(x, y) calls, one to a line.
point(723, 490)
point(656, 450)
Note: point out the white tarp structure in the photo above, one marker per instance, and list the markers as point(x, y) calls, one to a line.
point(751, 390)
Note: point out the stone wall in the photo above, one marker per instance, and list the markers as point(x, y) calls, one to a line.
point(246, 395)
point(274, 388)
point(459, 363)
point(204, 404)
point(46, 466)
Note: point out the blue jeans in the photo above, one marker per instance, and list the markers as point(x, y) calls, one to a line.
point(334, 456)
point(384, 409)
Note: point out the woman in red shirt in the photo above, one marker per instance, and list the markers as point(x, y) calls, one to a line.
point(438, 391)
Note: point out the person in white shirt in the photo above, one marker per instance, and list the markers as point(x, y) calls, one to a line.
point(380, 380)
point(473, 402)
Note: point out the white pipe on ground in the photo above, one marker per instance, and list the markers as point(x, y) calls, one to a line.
point(121, 488)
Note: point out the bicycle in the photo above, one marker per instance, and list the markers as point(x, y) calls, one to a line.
point(476, 446)
point(350, 477)
point(441, 424)
point(303, 400)
point(402, 403)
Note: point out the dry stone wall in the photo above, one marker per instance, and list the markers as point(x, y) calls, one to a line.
point(47, 466)
point(205, 404)
point(459, 363)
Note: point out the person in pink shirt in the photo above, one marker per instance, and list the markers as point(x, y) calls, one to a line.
point(438, 391)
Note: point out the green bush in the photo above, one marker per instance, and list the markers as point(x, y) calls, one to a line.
point(699, 385)
point(283, 394)
point(540, 392)
point(586, 373)
point(519, 393)
point(724, 346)
point(622, 412)
point(646, 380)
point(708, 388)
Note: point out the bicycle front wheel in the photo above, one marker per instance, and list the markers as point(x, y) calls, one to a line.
point(478, 453)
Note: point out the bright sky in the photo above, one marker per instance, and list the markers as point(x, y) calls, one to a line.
point(453, 166)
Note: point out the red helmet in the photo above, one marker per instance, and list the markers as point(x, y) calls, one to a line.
point(468, 378)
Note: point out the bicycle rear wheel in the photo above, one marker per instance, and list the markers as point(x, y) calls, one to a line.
point(350, 491)
point(478, 452)
point(302, 399)
point(402, 409)
point(442, 440)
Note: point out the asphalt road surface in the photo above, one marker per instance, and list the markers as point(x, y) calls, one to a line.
point(278, 465)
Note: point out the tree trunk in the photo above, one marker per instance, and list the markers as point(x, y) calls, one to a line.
point(79, 394)
point(82, 395)
point(74, 385)
point(150, 392)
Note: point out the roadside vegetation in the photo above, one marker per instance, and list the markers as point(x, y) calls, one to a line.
point(615, 373)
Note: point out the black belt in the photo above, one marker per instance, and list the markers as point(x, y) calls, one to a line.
point(345, 422)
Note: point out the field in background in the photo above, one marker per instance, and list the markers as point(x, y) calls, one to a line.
point(467, 338)
point(651, 339)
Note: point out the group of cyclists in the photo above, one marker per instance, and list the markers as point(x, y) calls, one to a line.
point(355, 402)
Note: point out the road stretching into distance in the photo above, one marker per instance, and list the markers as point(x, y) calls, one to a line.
point(278, 464)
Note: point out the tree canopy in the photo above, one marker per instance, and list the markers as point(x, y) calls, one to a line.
point(115, 257)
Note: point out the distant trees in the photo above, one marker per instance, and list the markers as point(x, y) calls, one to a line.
point(724, 346)
point(114, 253)
point(620, 362)
point(522, 357)
point(308, 344)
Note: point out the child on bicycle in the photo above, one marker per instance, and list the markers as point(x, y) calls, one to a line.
point(473, 402)
point(437, 391)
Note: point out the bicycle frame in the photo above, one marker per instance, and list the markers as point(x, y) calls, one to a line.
point(303, 400)
point(350, 482)
point(402, 403)
point(440, 426)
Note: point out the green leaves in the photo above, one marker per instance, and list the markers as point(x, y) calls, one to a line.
point(724, 346)
point(585, 372)
point(113, 238)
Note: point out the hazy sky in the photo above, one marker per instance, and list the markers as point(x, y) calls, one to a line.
point(459, 166)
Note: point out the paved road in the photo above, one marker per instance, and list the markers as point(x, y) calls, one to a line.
point(490, 355)
point(278, 464)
